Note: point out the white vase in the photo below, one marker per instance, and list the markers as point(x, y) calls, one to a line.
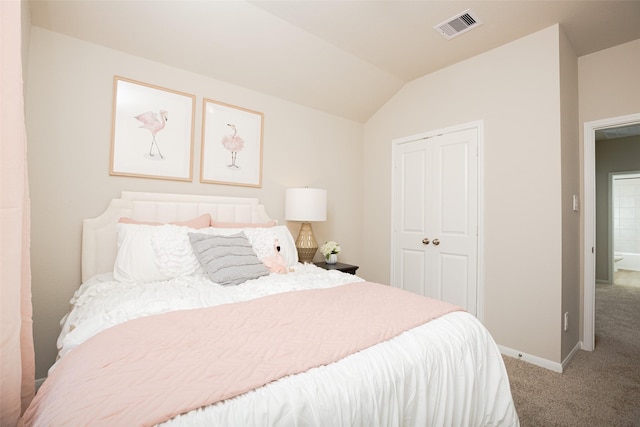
point(332, 259)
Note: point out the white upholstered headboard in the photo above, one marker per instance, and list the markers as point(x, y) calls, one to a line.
point(99, 235)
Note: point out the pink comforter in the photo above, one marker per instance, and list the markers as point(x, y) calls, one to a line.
point(151, 369)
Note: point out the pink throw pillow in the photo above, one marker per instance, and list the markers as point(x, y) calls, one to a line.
point(243, 224)
point(202, 221)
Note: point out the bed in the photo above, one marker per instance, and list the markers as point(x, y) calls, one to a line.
point(177, 324)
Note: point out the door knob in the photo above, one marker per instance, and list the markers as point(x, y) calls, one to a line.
point(425, 241)
point(436, 242)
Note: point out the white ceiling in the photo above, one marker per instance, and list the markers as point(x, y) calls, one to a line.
point(345, 57)
point(617, 132)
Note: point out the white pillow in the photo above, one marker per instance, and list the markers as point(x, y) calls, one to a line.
point(148, 253)
point(263, 239)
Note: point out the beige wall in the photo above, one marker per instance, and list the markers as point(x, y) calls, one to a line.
point(610, 83)
point(68, 106)
point(514, 90)
point(571, 285)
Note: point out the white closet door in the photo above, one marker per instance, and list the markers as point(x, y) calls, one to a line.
point(435, 217)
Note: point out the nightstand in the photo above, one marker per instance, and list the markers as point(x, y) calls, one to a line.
point(345, 268)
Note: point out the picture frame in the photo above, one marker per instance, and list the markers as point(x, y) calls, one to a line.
point(152, 131)
point(231, 151)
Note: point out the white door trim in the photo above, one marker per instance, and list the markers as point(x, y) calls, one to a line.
point(479, 126)
point(589, 224)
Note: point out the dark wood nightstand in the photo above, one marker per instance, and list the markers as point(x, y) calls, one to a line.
point(345, 268)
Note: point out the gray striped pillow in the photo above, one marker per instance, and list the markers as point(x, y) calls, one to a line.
point(227, 260)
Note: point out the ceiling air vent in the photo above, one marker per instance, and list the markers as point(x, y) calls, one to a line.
point(459, 24)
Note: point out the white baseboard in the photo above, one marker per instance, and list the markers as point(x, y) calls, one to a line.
point(539, 361)
point(535, 360)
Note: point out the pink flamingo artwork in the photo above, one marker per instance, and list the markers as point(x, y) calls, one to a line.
point(154, 124)
point(233, 143)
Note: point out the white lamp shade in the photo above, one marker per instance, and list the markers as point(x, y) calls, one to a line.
point(305, 204)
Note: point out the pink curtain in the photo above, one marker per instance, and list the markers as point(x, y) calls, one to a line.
point(17, 354)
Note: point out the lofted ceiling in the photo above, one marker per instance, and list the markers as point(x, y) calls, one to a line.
point(344, 57)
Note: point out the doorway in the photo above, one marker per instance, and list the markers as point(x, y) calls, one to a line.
point(589, 219)
point(624, 228)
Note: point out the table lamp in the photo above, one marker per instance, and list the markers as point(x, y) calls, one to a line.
point(306, 205)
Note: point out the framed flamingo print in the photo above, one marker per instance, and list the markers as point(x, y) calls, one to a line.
point(231, 145)
point(152, 131)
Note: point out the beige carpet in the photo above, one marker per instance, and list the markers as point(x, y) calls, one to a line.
point(599, 388)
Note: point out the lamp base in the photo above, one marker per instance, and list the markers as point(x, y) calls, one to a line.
point(306, 244)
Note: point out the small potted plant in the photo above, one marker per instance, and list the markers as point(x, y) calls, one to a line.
point(330, 251)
